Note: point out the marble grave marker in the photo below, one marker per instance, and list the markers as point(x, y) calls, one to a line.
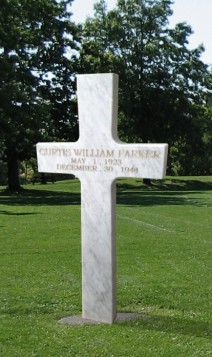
point(97, 159)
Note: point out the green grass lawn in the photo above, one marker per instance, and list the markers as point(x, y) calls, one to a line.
point(164, 265)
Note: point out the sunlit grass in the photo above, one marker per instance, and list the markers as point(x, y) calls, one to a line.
point(163, 271)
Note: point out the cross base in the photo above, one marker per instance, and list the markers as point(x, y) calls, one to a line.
point(79, 321)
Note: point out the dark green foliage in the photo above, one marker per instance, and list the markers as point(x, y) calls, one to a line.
point(164, 87)
point(36, 78)
point(162, 82)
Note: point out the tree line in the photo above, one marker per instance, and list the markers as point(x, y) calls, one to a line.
point(165, 88)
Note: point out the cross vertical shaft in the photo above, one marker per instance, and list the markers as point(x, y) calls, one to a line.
point(98, 103)
point(98, 251)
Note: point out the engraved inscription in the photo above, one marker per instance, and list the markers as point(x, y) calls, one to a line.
point(94, 153)
point(100, 153)
point(139, 154)
point(54, 152)
point(129, 169)
point(113, 162)
point(76, 167)
point(100, 160)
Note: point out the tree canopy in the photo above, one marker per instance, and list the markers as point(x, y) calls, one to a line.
point(36, 76)
point(162, 82)
point(165, 88)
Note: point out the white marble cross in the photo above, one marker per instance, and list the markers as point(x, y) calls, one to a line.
point(97, 159)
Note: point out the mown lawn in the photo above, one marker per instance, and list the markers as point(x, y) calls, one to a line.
point(164, 236)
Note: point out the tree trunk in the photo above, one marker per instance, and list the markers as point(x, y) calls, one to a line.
point(13, 174)
point(43, 178)
point(147, 182)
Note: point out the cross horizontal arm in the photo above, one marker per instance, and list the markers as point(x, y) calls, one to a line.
point(112, 161)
